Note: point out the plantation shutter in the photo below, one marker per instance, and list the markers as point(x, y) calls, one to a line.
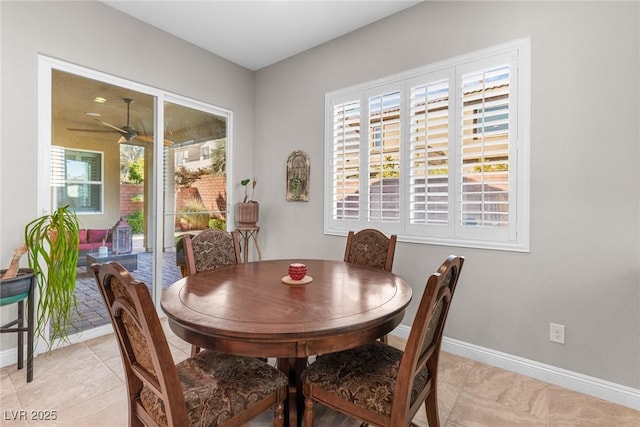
point(345, 189)
point(384, 157)
point(429, 154)
point(91, 192)
point(485, 147)
point(437, 155)
point(57, 160)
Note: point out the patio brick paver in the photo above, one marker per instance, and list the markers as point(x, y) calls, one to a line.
point(91, 309)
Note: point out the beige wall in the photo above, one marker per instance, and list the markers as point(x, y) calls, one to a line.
point(583, 268)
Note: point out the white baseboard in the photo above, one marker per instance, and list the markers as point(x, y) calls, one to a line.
point(10, 357)
point(606, 390)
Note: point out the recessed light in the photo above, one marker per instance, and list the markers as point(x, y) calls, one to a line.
point(93, 114)
point(99, 100)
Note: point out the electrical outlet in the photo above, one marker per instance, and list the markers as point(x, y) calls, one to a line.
point(556, 333)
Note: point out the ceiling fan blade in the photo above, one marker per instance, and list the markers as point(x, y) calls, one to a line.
point(147, 138)
point(90, 130)
point(144, 138)
point(116, 128)
point(127, 133)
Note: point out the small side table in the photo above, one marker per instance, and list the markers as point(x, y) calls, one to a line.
point(246, 233)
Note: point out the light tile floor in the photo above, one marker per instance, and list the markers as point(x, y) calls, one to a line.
point(83, 384)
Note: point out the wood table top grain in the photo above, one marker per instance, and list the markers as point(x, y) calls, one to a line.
point(246, 309)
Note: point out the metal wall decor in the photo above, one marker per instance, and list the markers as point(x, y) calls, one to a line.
point(298, 177)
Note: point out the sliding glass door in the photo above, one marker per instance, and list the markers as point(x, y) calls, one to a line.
point(108, 157)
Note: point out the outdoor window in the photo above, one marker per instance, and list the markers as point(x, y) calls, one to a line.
point(182, 157)
point(435, 155)
point(79, 181)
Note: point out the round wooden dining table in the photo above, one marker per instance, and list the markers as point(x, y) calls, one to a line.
point(247, 309)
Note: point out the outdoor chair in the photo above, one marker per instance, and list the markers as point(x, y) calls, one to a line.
point(382, 385)
point(181, 261)
point(210, 389)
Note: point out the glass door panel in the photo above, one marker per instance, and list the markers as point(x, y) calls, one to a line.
point(195, 170)
point(102, 166)
point(107, 163)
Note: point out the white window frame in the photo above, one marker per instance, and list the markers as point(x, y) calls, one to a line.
point(511, 237)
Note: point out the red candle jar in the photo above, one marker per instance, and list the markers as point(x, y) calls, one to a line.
point(297, 271)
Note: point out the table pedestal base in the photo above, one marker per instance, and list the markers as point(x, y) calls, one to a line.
point(294, 404)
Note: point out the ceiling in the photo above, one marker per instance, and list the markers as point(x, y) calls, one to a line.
point(256, 34)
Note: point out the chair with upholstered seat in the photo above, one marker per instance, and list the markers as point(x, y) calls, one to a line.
point(382, 385)
point(208, 250)
point(371, 248)
point(211, 249)
point(210, 389)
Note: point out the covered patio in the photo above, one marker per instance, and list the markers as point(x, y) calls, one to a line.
point(91, 309)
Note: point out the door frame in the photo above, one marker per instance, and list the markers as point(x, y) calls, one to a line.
point(43, 193)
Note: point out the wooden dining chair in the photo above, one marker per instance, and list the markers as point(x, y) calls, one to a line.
point(208, 250)
point(371, 248)
point(382, 385)
point(211, 249)
point(210, 389)
point(181, 261)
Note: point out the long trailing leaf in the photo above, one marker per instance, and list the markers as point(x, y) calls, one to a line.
point(53, 254)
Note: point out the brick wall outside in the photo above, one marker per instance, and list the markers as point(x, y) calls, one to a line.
point(213, 192)
point(127, 193)
point(210, 189)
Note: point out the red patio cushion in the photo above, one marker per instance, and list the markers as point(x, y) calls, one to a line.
point(94, 235)
point(82, 234)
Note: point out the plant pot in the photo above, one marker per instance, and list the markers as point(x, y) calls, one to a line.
point(247, 214)
point(21, 284)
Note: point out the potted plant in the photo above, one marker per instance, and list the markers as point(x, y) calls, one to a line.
point(52, 248)
point(248, 210)
point(16, 285)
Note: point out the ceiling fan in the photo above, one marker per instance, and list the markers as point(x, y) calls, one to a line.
point(127, 133)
